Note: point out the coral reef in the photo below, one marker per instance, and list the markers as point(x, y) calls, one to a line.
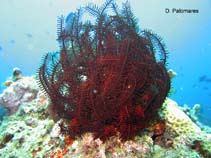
point(192, 112)
point(184, 131)
point(26, 132)
point(172, 73)
point(22, 133)
point(177, 119)
point(107, 84)
point(16, 75)
point(31, 132)
point(160, 136)
point(109, 77)
point(23, 90)
point(112, 148)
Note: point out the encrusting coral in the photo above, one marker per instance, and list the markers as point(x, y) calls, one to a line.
point(109, 77)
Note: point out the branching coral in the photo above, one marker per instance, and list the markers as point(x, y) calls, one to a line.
point(109, 77)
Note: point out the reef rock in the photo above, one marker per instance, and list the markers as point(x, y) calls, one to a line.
point(21, 91)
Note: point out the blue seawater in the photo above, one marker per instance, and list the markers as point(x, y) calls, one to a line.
point(28, 31)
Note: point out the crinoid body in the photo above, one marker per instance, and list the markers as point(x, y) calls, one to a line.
point(108, 77)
